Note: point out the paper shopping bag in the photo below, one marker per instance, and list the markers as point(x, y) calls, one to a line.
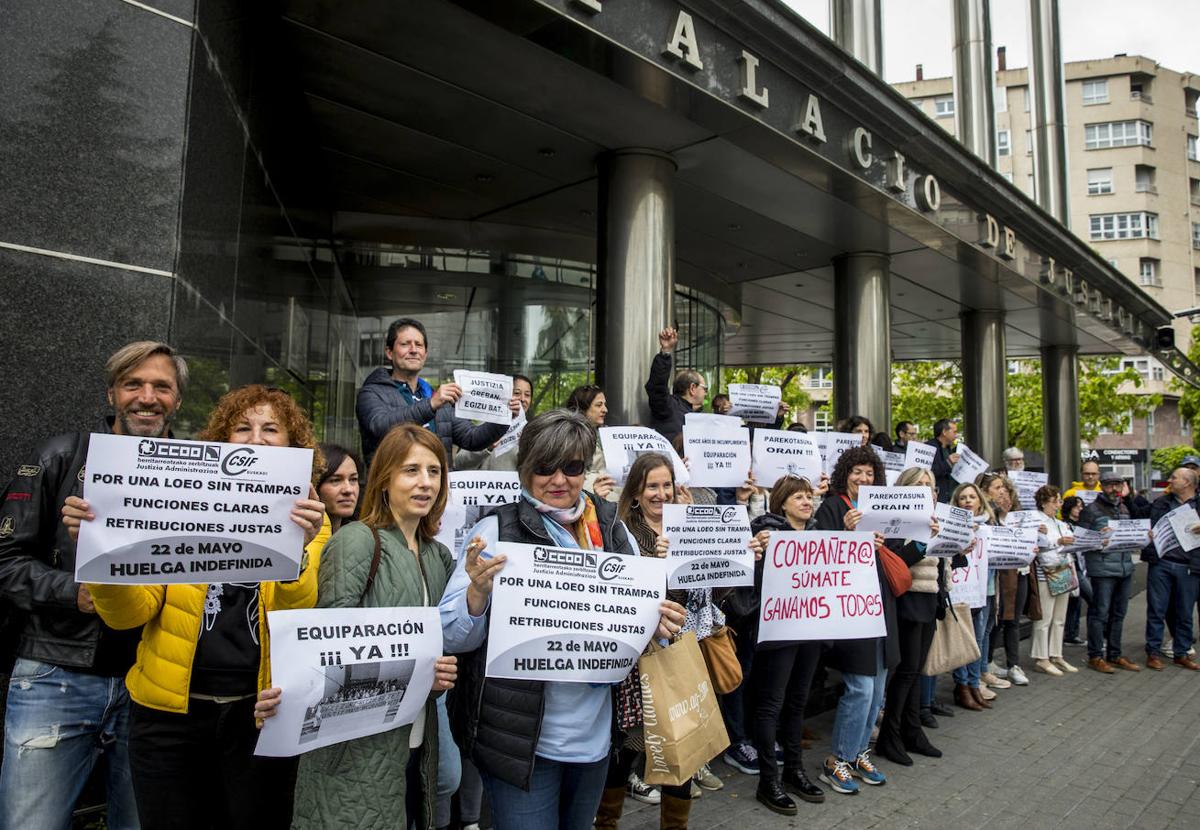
point(680, 715)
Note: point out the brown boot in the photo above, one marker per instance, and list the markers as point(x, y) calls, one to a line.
point(979, 698)
point(612, 802)
point(673, 812)
point(964, 698)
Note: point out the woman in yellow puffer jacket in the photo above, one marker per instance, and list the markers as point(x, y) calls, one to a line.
point(204, 656)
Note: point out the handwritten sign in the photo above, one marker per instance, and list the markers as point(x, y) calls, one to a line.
point(970, 465)
point(622, 446)
point(485, 397)
point(896, 512)
point(708, 546)
point(472, 494)
point(969, 585)
point(1009, 547)
point(756, 402)
point(956, 531)
point(719, 457)
point(778, 453)
point(820, 585)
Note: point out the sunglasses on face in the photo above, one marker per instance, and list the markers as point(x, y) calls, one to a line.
point(569, 468)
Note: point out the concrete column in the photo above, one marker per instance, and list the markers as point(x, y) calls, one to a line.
point(974, 81)
point(1047, 119)
point(857, 27)
point(1060, 405)
point(635, 275)
point(985, 376)
point(862, 338)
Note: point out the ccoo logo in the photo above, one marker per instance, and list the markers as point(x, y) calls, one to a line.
point(611, 568)
point(238, 461)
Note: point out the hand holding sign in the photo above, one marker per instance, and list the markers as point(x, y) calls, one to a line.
point(485, 397)
point(482, 572)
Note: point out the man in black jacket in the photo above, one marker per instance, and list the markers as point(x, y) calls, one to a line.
point(687, 392)
point(1168, 577)
point(67, 702)
point(945, 440)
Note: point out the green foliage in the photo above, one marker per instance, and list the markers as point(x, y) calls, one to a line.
point(1189, 397)
point(1167, 459)
point(785, 377)
point(924, 392)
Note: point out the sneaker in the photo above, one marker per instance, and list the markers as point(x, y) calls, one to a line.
point(837, 775)
point(694, 791)
point(986, 693)
point(639, 790)
point(707, 779)
point(996, 671)
point(742, 758)
point(1017, 676)
point(995, 682)
point(1167, 651)
point(867, 771)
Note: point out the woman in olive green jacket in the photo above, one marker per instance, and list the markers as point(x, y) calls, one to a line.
point(364, 783)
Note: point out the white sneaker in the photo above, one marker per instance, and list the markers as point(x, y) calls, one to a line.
point(996, 671)
point(1017, 677)
point(639, 790)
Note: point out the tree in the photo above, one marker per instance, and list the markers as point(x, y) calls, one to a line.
point(1167, 459)
point(1189, 397)
point(785, 377)
point(924, 392)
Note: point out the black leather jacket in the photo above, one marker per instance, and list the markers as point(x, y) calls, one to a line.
point(37, 564)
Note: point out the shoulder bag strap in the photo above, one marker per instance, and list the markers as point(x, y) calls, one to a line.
point(374, 566)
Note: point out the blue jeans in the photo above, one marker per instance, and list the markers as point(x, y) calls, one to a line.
point(928, 691)
point(857, 711)
point(1106, 615)
point(1166, 581)
point(968, 675)
point(58, 724)
point(561, 796)
point(449, 767)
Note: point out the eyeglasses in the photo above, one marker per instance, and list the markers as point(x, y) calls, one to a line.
point(569, 469)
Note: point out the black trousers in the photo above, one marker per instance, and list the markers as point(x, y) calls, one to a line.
point(198, 770)
point(902, 699)
point(781, 680)
point(1010, 630)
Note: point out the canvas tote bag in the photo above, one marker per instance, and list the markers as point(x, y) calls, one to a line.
point(953, 642)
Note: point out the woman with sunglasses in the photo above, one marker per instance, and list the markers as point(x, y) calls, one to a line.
point(542, 747)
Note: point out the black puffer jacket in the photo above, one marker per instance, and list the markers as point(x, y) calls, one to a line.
point(37, 565)
point(667, 411)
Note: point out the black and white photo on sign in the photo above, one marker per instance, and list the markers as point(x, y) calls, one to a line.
point(709, 545)
point(190, 512)
point(756, 402)
point(778, 453)
point(896, 512)
point(623, 445)
point(716, 455)
point(485, 397)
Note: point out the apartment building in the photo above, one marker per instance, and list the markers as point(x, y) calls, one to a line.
point(1134, 187)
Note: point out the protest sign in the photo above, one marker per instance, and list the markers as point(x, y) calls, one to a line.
point(836, 443)
point(572, 615)
point(893, 463)
point(472, 494)
point(718, 456)
point(920, 455)
point(820, 585)
point(178, 512)
point(757, 402)
point(509, 440)
point(1128, 534)
point(1085, 539)
point(1025, 518)
point(347, 673)
point(896, 512)
point(1086, 496)
point(485, 397)
point(970, 465)
point(1009, 547)
point(1182, 520)
point(711, 418)
point(1165, 539)
point(779, 453)
point(708, 546)
point(969, 585)
point(1027, 484)
point(622, 446)
point(956, 531)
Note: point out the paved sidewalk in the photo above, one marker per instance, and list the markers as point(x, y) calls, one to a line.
point(1083, 751)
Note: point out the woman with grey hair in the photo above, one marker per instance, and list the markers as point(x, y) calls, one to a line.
point(542, 747)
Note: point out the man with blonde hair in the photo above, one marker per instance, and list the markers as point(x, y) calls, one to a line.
point(67, 703)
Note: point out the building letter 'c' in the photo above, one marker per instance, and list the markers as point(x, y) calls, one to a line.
point(860, 147)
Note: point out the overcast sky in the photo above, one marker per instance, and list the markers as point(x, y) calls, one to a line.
point(918, 31)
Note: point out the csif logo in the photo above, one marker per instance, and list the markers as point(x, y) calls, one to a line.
point(611, 568)
point(238, 461)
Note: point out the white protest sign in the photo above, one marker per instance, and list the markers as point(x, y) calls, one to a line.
point(473, 493)
point(757, 402)
point(1086, 496)
point(1128, 534)
point(622, 446)
point(836, 443)
point(572, 615)
point(778, 453)
point(896, 512)
point(1027, 484)
point(1009, 547)
point(893, 463)
point(509, 440)
point(956, 531)
point(969, 585)
point(1165, 539)
point(1182, 520)
point(718, 456)
point(485, 397)
point(712, 418)
point(919, 455)
point(708, 546)
point(179, 512)
point(820, 585)
point(347, 673)
point(970, 465)
point(1085, 539)
point(1025, 518)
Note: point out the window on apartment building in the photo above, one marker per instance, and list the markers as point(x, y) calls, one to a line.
point(1194, 190)
point(1191, 141)
point(1099, 180)
point(1030, 187)
point(1127, 430)
point(1149, 272)
point(1185, 426)
point(1095, 91)
point(821, 378)
point(1149, 422)
point(1190, 99)
point(821, 420)
point(1143, 177)
point(1007, 174)
point(1029, 142)
point(1025, 91)
point(1156, 371)
point(943, 106)
point(1196, 280)
point(1118, 134)
point(1000, 96)
point(1003, 143)
point(1113, 263)
point(1125, 226)
point(1147, 367)
point(1139, 90)
point(1196, 235)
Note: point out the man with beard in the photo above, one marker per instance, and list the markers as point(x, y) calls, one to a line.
point(67, 703)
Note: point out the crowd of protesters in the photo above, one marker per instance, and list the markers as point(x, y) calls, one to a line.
point(163, 687)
